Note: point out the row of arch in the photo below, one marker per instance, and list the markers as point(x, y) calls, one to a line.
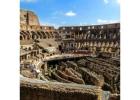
point(98, 44)
point(94, 34)
point(97, 36)
point(27, 35)
point(93, 46)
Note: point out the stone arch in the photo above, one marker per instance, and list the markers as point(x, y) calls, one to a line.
point(105, 49)
point(34, 35)
point(30, 34)
point(24, 36)
point(104, 37)
point(21, 38)
point(47, 34)
point(114, 36)
point(109, 50)
point(103, 44)
point(91, 44)
point(111, 44)
point(81, 45)
point(116, 44)
point(86, 36)
point(39, 35)
point(92, 36)
point(83, 36)
point(107, 44)
point(27, 35)
point(85, 44)
point(95, 44)
point(99, 44)
point(94, 48)
point(43, 34)
point(51, 34)
point(102, 49)
point(78, 45)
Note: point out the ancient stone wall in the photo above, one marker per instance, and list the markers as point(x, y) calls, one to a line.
point(42, 94)
point(95, 38)
point(28, 18)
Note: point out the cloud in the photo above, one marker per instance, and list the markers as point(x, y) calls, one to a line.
point(102, 21)
point(118, 1)
point(70, 14)
point(106, 1)
point(28, 1)
point(111, 1)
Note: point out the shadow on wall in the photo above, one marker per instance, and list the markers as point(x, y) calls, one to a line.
point(41, 94)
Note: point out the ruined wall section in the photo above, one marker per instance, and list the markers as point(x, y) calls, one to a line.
point(28, 18)
point(30, 29)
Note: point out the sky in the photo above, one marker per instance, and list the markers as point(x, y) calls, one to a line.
point(73, 12)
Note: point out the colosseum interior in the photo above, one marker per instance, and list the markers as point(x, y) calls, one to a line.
point(68, 63)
